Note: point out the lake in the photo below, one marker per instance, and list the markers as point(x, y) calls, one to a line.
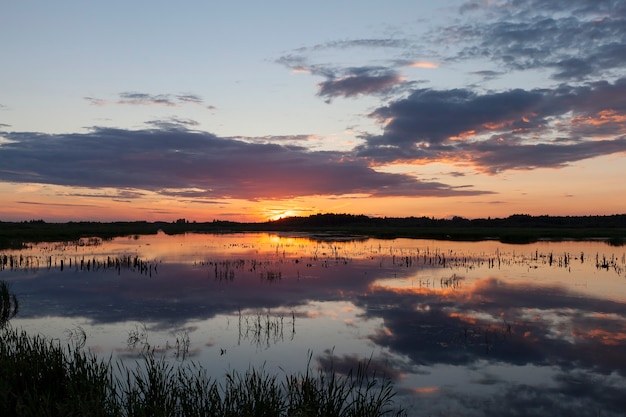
point(462, 328)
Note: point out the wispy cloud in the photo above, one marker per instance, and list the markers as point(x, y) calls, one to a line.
point(145, 99)
point(342, 81)
point(56, 204)
point(94, 101)
point(280, 139)
point(358, 81)
point(172, 123)
point(576, 40)
point(356, 43)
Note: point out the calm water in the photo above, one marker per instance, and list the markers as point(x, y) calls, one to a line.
point(463, 328)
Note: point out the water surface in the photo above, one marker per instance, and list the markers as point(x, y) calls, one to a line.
point(463, 328)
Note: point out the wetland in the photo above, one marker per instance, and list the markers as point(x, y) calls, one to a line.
point(459, 327)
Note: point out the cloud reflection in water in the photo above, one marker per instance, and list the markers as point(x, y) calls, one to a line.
point(466, 335)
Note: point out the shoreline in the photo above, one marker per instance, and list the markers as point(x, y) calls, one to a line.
point(514, 229)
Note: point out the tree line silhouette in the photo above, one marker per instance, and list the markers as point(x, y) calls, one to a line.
point(517, 228)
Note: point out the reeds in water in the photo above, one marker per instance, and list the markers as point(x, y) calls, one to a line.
point(9, 305)
point(40, 377)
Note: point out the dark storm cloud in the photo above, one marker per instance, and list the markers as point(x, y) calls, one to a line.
point(515, 129)
point(177, 159)
point(576, 40)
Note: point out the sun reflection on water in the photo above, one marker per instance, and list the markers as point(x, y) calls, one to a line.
point(447, 319)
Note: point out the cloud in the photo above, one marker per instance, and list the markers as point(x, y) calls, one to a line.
point(348, 82)
point(354, 81)
point(576, 40)
point(56, 204)
point(213, 167)
point(358, 81)
point(278, 138)
point(190, 98)
point(95, 101)
point(111, 194)
point(145, 99)
point(487, 74)
point(514, 129)
point(356, 43)
point(172, 123)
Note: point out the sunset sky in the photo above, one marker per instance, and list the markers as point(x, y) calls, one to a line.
point(248, 110)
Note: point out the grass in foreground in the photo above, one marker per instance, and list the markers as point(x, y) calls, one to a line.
point(8, 304)
point(39, 377)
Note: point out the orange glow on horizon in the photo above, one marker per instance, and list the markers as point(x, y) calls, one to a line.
point(281, 214)
point(588, 187)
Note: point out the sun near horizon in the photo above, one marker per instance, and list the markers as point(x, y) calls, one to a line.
point(421, 109)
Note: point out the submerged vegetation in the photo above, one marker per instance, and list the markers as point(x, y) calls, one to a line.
point(519, 228)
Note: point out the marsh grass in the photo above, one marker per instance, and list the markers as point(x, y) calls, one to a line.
point(9, 305)
point(41, 377)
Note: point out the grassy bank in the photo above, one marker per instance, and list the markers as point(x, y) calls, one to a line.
point(41, 377)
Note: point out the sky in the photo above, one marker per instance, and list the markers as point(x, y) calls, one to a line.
point(250, 111)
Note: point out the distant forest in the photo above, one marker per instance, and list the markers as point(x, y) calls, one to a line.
point(518, 228)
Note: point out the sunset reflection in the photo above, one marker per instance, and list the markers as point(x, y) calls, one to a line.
point(441, 318)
